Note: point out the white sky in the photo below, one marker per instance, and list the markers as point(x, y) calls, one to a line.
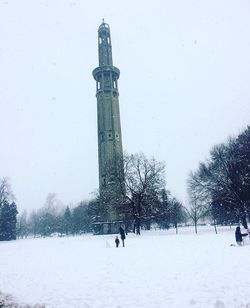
point(184, 86)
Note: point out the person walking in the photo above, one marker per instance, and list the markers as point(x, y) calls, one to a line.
point(117, 242)
point(122, 233)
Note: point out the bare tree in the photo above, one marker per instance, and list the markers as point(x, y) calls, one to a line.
point(22, 225)
point(223, 181)
point(197, 209)
point(143, 180)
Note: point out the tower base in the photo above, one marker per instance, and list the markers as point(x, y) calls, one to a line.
point(107, 227)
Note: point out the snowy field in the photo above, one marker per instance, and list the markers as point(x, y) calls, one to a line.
point(156, 269)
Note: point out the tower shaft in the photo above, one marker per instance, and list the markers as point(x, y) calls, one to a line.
point(108, 116)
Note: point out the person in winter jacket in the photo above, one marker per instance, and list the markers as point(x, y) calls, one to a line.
point(239, 236)
point(117, 242)
point(122, 233)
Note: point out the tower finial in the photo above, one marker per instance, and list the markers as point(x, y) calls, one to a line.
point(103, 21)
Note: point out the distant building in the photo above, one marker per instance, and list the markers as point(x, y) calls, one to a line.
point(110, 153)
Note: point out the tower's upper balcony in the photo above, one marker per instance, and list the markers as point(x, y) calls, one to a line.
point(104, 43)
point(106, 75)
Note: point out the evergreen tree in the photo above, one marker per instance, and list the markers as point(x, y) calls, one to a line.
point(81, 218)
point(177, 213)
point(8, 213)
point(47, 224)
point(164, 218)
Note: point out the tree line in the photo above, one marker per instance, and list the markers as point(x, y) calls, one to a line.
point(218, 190)
point(53, 219)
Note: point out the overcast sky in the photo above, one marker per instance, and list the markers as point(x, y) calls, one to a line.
point(184, 87)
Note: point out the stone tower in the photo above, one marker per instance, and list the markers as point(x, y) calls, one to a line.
point(108, 118)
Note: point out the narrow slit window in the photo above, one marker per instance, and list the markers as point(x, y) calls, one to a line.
point(102, 137)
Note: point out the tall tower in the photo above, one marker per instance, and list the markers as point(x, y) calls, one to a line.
point(108, 117)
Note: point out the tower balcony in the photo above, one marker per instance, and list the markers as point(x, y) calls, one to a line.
point(107, 89)
point(97, 72)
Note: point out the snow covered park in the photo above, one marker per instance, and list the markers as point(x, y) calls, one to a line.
point(156, 269)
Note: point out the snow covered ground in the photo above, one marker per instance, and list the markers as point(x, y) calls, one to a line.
point(156, 269)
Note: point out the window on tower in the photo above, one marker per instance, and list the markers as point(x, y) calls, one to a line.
point(102, 137)
point(110, 136)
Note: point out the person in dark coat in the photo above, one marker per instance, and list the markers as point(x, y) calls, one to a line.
point(122, 233)
point(239, 236)
point(117, 242)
